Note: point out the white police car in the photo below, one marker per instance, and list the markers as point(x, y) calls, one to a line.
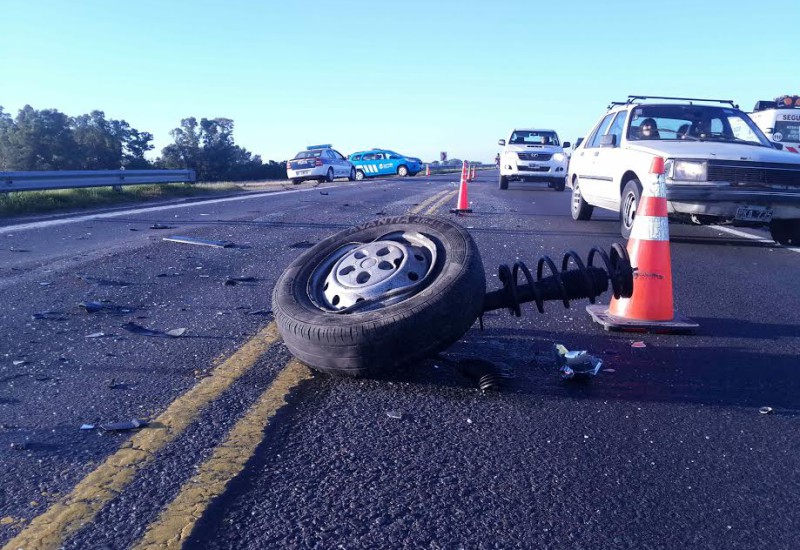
point(720, 167)
point(319, 162)
point(533, 155)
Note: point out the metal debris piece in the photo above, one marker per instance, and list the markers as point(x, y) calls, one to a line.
point(130, 326)
point(488, 375)
point(96, 335)
point(20, 362)
point(575, 363)
point(161, 226)
point(639, 345)
point(91, 307)
point(231, 281)
point(302, 244)
point(397, 415)
point(323, 192)
point(87, 427)
point(765, 410)
point(122, 426)
point(199, 242)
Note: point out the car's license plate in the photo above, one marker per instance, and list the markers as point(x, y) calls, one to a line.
point(753, 214)
point(303, 172)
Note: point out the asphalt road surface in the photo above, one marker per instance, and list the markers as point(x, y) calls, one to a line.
point(246, 448)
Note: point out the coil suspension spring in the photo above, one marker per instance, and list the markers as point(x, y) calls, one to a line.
point(584, 281)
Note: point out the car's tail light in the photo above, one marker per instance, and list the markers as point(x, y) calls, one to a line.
point(317, 162)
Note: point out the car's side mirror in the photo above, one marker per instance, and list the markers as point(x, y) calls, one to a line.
point(778, 146)
point(578, 142)
point(566, 145)
point(608, 140)
point(501, 142)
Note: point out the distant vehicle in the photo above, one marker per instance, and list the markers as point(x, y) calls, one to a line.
point(319, 162)
point(383, 162)
point(720, 167)
point(780, 121)
point(533, 155)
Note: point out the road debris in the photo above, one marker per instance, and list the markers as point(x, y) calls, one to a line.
point(302, 244)
point(397, 415)
point(161, 226)
point(575, 363)
point(87, 427)
point(765, 410)
point(19, 362)
point(199, 242)
point(49, 315)
point(639, 345)
point(130, 326)
point(102, 282)
point(487, 374)
point(231, 281)
point(15, 446)
point(96, 335)
point(91, 307)
point(123, 426)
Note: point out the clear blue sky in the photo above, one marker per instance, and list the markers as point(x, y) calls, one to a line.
point(415, 76)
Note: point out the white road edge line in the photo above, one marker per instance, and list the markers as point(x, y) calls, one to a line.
point(120, 213)
point(752, 237)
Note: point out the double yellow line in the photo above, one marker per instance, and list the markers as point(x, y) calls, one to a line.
point(175, 523)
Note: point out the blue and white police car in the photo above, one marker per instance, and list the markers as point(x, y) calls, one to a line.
point(383, 162)
point(319, 162)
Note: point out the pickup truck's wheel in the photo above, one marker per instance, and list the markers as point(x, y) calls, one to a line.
point(581, 210)
point(560, 185)
point(503, 182)
point(785, 232)
point(631, 195)
point(359, 175)
point(380, 295)
point(402, 170)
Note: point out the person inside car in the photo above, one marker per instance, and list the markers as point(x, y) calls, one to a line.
point(648, 129)
point(545, 140)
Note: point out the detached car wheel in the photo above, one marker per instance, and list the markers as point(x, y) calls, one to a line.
point(785, 232)
point(631, 195)
point(380, 295)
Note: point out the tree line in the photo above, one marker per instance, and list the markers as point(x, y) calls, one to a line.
point(48, 139)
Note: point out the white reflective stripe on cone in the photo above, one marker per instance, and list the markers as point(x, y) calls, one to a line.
point(655, 188)
point(650, 228)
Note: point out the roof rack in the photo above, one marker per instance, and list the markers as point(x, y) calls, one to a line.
point(633, 98)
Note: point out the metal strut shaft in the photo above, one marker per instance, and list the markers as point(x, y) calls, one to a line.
point(583, 281)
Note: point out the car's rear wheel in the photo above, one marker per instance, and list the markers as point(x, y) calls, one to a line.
point(296, 181)
point(359, 175)
point(402, 170)
point(581, 210)
point(352, 175)
point(785, 232)
point(329, 175)
point(631, 195)
point(503, 182)
point(380, 295)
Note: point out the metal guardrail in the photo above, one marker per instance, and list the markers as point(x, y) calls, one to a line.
point(73, 179)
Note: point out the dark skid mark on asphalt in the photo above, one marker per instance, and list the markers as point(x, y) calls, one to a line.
point(243, 223)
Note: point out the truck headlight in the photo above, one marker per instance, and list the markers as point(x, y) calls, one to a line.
point(559, 157)
point(684, 170)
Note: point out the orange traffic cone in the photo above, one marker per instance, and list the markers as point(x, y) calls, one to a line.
point(463, 202)
point(650, 308)
point(427, 169)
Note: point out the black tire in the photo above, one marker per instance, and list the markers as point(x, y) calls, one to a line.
point(352, 176)
point(559, 185)
point(360, 175)
point(581, 210)
point(503, 182)
point(372, 342)
point(402, 170)
point(297, 181)
point(631, 196)
point(785, 232)
point(329, 176)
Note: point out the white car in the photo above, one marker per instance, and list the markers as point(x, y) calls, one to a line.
point(319, 162)
point(780, 121)
point(533, 155)
point(720, 168)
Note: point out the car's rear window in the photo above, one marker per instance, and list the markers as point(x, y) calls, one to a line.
point(308, 154)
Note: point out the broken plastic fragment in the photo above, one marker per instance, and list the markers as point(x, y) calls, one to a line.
point(397, 415)
point(176, 332)
point(87, 426)
point(639, 345)
point(765, 410)
point(576, 363)
point(91, 307)
point(122, 426)
point(96, 335)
